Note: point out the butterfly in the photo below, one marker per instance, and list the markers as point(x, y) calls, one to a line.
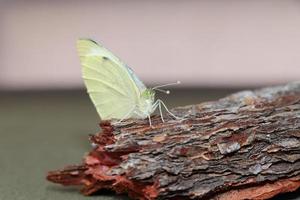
point(116, 92)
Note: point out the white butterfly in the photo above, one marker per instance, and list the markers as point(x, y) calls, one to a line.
point(115, 90)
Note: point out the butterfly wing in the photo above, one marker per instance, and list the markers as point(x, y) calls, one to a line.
point(110, 84)
point(137, 81)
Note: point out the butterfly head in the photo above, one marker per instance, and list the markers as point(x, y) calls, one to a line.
point(148, 94)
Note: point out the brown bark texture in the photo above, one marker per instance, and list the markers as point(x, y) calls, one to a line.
point(244, 146)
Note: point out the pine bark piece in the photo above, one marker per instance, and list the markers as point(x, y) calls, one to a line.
point(244, 146)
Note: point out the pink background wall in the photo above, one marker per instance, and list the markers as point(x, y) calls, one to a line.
point(201, 43)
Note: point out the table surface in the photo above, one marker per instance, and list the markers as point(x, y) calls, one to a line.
point(47, 130)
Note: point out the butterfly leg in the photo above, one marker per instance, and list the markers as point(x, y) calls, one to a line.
point(149, 118)
point(160, 112)
point(161, 102)
point(155, 105)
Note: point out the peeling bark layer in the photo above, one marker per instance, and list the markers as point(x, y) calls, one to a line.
point(244, 146)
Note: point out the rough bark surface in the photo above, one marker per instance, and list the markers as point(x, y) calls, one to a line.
point(244, 146)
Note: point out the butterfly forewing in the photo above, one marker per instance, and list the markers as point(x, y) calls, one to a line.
point(110, 84)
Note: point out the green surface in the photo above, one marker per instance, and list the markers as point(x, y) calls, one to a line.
point(42, 131)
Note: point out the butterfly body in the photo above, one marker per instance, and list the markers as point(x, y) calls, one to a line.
point(115, 90)
point(144, 108)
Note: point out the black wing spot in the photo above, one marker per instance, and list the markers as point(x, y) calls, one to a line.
point(88, 39)
point(93, 41)
point(105, 58)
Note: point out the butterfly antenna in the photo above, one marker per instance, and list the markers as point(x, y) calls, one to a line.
point(165, 91)
point(159, 86)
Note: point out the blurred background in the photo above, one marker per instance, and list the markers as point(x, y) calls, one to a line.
point(213, 47)
point(202, 43)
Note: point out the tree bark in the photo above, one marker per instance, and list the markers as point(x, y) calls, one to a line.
point(244, 146)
